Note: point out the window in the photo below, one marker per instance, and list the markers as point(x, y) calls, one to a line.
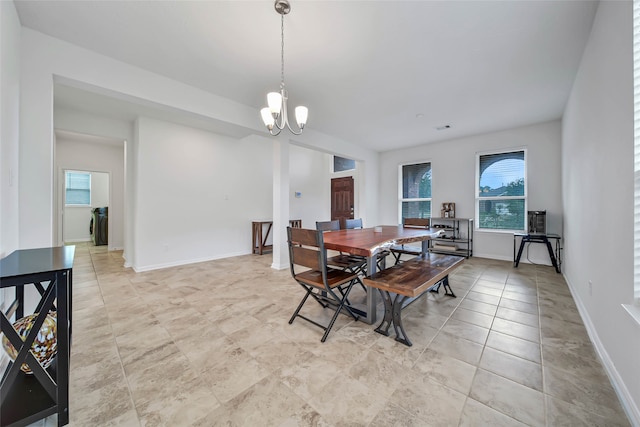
point(77, 188)
point(501, 198)
point(415, 192)
point(340, 164)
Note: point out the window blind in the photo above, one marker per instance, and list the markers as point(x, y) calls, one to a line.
point(78, 188)
point(501, 192)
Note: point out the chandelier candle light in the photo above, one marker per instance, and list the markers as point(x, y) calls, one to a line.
point(275, 116)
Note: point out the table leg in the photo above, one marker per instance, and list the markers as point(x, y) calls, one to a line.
point(263, 243)
point(425, 247)
point(551, 255)
point(256, 236)
point(517, 261)
point(372, 297)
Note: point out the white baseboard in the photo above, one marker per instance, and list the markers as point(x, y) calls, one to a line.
point(77, 240)
point(139, 269)
point(280, 266)
point(492, 256)
point(626, 400)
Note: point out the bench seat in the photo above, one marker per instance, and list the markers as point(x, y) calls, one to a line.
point(411, 279)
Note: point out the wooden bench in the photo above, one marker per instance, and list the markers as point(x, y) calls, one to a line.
point(411, 279)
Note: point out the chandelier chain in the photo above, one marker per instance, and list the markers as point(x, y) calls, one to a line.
point(275, 116)
point(282, 51)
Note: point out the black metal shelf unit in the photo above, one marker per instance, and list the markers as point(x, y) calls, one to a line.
point(458, 237)
point(26, 398)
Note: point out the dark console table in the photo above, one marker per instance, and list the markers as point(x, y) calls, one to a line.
point(26, 398)
point(539, 238)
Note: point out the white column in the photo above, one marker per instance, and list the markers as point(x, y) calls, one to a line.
point(280, 202)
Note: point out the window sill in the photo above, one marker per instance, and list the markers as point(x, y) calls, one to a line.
point(633, 310)
point(497, 231)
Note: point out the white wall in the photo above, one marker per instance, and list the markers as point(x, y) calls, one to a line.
point(9, 136)
point(453, 164)
point(100, 188)
point(197, 193)
point(45, 59)
point(309, 175)
point(9, 126)
point(97, 157)
point(597, 181)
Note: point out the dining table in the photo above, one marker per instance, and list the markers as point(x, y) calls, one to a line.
point(368, 242)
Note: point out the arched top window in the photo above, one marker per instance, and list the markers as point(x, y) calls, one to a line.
point(501, 191)
point(502, 174)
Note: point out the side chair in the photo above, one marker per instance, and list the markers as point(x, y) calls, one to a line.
point(343, 261)
point(306, 249)
point(381, 256)
point(398, 250)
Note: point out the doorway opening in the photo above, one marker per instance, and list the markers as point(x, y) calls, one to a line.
point(342, 199)
point(85, 210)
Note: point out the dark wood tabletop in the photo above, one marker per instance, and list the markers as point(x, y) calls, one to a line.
point(367, 241)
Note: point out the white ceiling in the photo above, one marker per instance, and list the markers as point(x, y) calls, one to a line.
point(382, 74)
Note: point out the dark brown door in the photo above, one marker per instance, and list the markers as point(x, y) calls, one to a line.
point(342, 199)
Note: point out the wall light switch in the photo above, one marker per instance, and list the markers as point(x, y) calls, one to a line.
point(297, 194)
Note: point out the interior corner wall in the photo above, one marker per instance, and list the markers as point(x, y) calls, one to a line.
point(197, 193)
point(90, 124)
point(453, 165)
point(597, 181)
point(9, 127)
point(44, 58)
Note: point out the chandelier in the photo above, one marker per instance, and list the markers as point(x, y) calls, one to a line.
point(275, 116)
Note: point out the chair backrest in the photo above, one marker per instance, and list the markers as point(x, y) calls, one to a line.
point(296, 223)
point(353, 223)
point(416, 222)
point(328, 225)
point(306, 248)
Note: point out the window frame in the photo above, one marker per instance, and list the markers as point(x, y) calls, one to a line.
point(80, 205)
point(478, 199)
point(333, 164)
point(401, 199)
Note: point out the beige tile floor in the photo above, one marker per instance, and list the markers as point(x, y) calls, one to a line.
point(209, 344)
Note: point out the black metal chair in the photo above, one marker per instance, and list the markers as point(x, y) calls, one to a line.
point(306, 249)
point(398, 250)
point(381, 256)
point(328, 225)
point(343, 261)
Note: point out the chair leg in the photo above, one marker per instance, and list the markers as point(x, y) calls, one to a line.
point(338, 310)
point(345, 298)
point(295, 314)
point(397, 256)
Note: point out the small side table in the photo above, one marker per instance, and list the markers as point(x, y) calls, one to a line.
point(556, 260)
point(259, 239)
point(25, 399)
